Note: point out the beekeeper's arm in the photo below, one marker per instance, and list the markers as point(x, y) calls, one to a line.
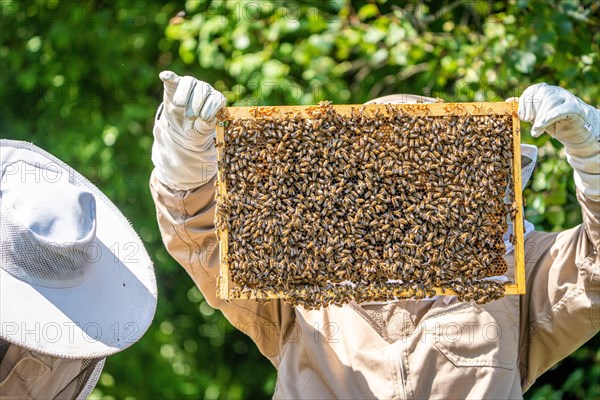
point(561, 309)
point(182, 186)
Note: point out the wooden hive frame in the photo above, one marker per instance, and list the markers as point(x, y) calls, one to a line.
point(429, 110)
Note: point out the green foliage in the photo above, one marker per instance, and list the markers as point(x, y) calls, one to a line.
point(81, 80)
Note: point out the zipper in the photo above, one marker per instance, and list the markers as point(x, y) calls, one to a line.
point(401, 369)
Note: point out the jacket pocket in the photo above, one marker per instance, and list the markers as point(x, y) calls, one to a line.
point(474, 336)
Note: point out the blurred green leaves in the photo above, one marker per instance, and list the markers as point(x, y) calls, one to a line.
point(80, 79)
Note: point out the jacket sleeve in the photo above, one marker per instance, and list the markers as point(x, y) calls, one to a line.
point(561, 310)
point(186, 222)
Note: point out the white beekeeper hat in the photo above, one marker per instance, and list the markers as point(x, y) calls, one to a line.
point(75, 279)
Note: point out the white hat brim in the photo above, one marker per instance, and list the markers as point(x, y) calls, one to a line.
point(106, 313)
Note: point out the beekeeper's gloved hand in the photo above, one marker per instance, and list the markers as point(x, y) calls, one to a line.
point(183, 152)
point(575, 124)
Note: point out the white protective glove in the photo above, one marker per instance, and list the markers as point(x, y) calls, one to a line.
point(575, 124)
point(183, 152)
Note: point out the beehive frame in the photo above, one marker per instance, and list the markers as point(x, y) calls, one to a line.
point(419, 110)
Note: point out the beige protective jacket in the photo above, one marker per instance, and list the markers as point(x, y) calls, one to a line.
point(407, 349)
point(29, 375)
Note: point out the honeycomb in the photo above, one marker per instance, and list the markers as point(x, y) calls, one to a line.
point(324, 207)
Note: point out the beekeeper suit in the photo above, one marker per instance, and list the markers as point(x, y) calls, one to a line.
point(439, 348)
point(76, 284)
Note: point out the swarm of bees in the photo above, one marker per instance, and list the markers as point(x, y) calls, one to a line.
point(331, 208)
